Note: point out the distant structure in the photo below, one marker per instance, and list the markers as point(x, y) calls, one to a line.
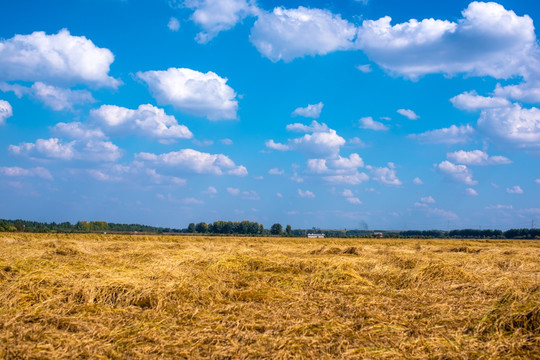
point(378, 234)
point(315, 236)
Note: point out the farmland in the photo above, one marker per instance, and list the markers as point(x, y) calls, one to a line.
point(138, 296)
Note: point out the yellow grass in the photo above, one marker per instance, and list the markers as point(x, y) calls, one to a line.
point(114, 296)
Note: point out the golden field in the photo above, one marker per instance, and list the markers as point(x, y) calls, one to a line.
point(121, 297)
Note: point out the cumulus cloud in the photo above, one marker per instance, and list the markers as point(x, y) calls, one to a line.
point(427, 200)
point(488, 40)
point(515, 190)
point(77, 130)
point(6, 111)
point(338, 165)
point(365, 68)
point(347, 193)
point(537, 181)
point(147, 120)
point(57, 98)
point(369, 123)
point(471, 101)
point(16, 171)
point(354, 200)
point(54, 148)
point(194, 92)
point(233, 191)
point(471, 192)
point(321, 143)
point(311, 111)
point(226, 141)
point(451, 135)
point(55, 59)
point(275, 171)
point(305, 193)
point(286, 34)
point(512, 125)
point(476, 157)
point(357, 142)
point(385, 175)
point(411, 115)
point(195, 161)
point(418, 181)
point(173, 24)
point(214, 16)
point(459, 173)
point(354, 179)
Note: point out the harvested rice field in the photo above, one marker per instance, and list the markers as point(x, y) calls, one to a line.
point(136, 296)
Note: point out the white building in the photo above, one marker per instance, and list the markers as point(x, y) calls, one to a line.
point(315, 236)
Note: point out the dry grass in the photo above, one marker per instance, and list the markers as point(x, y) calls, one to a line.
point(112, 296)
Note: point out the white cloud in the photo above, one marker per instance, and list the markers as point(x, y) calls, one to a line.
point(357, 142)
point(275, 171)
point(451, 135)
point(57, 98)
point(279, 195)
point(53, 148)
point(195, 161)
point(418, 181)
point(226, 141)
point(458, 173)
point(6, 111)
point(488, 40)
point(194, 92)
point(271, 144)
point(528, 91)
point(147, 120)
point(471, 192)
point(305, 194)
point(369, 123)
point(322, 143)
point(411, 115)
point(515, 190)
point(427, 200)
point(174, 24)
point(499, 207)
point(442, 213)
point(537, 181)
point(338, 165)
point(58, 59)
point(366, 68)
point(215, 16)
point(513, 125)
point(60, 99)
point(313, 127)
point(471, 101)
point(233, 191)
point(476, 157)
point(77, 130)
point(347, 193)
point(385, 175)
point(210, 191)
point(285, 34)
point(354, 179)
point(16, 171)
point(311, 111)
point(354, 200)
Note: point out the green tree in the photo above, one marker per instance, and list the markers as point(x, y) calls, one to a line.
point(288, 230)
point(191, 228)
point(201, 227)
point(276, 229)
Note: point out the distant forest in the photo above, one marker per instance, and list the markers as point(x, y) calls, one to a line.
point(250, 228)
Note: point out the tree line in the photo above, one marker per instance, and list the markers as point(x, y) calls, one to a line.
point(253, 228)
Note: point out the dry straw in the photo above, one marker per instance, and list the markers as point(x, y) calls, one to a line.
point(113, 296)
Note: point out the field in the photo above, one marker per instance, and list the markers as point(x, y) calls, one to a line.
point(119, 296)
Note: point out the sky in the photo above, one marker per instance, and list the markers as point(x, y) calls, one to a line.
point(370, 114)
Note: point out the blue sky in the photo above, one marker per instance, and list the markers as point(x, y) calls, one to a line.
point(344, 114)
